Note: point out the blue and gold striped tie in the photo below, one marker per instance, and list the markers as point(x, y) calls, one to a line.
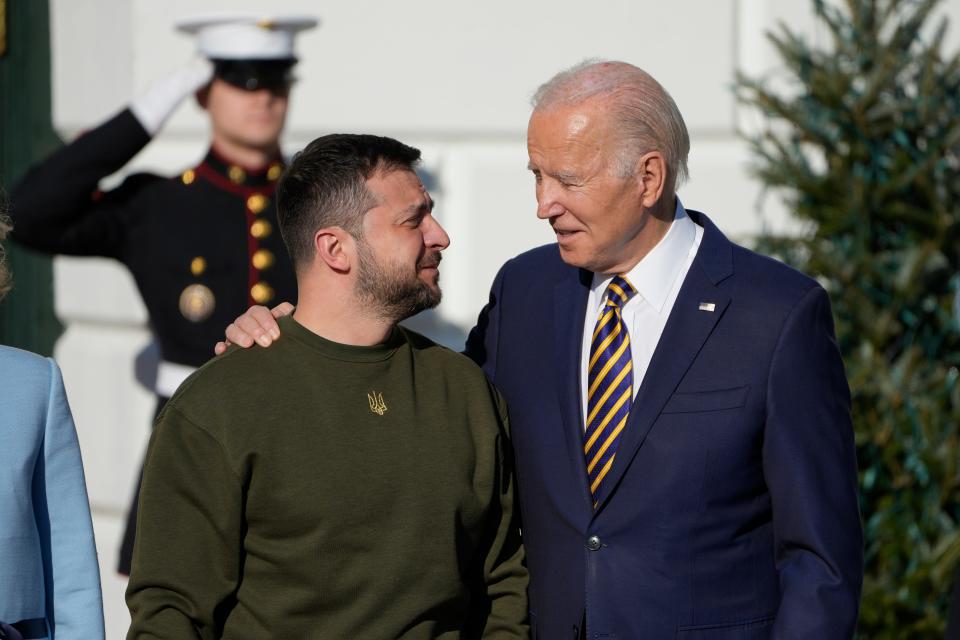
point(610, 376)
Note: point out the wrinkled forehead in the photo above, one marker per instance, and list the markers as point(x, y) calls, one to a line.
point(397, 187)
point(591, 117)
point(575, 131)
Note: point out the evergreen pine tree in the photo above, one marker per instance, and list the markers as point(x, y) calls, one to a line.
point(864, 145)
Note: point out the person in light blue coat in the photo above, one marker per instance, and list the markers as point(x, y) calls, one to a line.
point(49, 579)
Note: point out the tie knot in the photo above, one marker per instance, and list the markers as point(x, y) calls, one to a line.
point(619, 291)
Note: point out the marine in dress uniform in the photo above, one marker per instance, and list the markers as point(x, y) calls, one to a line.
point(203, 245)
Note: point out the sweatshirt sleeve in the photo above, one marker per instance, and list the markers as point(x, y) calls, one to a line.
point(505, 568)
point(187, 557)
point(57, 208)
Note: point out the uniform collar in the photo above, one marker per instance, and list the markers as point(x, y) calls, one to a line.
point(242, 176)
point(654, 275)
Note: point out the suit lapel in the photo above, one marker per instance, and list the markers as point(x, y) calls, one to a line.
point(570, 299)
point(687, 328)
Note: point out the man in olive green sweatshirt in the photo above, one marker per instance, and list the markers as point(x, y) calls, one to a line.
point(354, 481)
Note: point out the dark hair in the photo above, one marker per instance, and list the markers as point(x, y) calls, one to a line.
point(325, 186)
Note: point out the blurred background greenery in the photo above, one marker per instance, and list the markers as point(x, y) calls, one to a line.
point(861, 137)
point(27, 319)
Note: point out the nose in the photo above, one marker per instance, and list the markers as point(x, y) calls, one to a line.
point(548, 205)
point(434, 235)
point(264, 95)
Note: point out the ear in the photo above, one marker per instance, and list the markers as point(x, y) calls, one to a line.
point(202, 95)
point(651, 177)
point(335, 248)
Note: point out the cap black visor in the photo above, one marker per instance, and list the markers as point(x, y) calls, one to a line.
point(252, 75)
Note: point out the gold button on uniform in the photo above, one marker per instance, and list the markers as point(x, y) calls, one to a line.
point(257, 203)
point(262, 259)
point(236, 174)
point(261, 229)
point(188, 176)
point(261, 293)
point(198, 265)
point(274, 171)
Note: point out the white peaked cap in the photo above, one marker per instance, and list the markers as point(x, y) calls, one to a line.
point(246, 36)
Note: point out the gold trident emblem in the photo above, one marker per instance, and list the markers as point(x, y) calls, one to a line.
point(377, 405)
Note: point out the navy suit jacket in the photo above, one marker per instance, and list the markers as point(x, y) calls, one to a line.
point(732, 505)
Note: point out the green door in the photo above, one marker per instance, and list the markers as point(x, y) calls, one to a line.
point(26, 134)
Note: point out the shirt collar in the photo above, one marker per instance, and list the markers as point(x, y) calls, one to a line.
point(655, 274)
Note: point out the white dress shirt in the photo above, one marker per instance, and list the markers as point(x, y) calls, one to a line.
point(657, 279)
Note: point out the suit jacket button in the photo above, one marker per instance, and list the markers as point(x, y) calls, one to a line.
point(593, 543)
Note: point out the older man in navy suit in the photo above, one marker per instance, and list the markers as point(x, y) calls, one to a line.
point(679, 410)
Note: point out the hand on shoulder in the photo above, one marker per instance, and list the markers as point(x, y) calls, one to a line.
point(258, 324)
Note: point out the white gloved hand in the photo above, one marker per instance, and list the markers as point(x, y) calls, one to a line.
point(159, 101)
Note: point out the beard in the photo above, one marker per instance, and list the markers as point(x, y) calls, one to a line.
point(392, 290)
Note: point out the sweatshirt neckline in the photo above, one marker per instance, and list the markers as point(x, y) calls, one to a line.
point(340, 351)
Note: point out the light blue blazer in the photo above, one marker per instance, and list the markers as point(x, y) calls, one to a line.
point(48, 562)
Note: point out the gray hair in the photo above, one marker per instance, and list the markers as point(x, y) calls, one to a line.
point(5, 280)
point(645, 115)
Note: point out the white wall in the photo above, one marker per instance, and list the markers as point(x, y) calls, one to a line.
point(453, 78)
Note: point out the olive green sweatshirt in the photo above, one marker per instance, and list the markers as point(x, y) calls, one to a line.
point(319, 490)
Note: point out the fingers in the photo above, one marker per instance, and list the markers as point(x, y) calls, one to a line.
point(221, 347)
point(197, 73)
point(260, 323)
point(282, 309)
point(256, 325)
point(238, 336)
